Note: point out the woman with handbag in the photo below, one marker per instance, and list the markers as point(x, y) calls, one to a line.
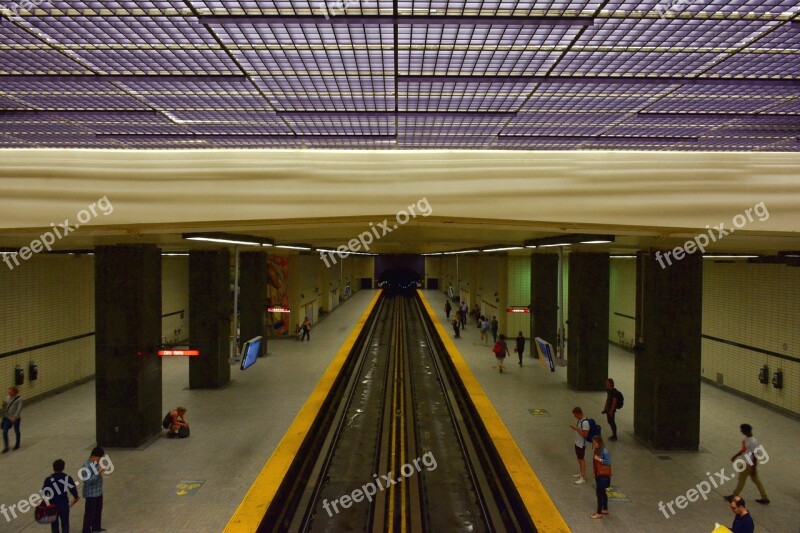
point(602, 475)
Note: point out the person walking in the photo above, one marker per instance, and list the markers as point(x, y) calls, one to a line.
point(610, 410)
point(464, 313)
point(581, 432)
point(500, 351)
point(12, 417)
point(306, 329)
point(742, 521)
point(93, 492)
point(749, 446)
point(485, 327)
point(602, 474)
point(447, 309)
point(55, 490)
point(495, 328)
point(520, 347)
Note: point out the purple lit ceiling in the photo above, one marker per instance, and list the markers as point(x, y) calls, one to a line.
point(404, 74)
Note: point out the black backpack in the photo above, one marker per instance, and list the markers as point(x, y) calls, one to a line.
point(167, 422)
point(620, 399)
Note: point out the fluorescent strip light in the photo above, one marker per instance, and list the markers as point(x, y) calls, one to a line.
point(503, 249)
point(292, 247)
point(594, 242)
point(623, 257)
point(176, 254)
point(554, 245)
point(461, 252)
point(730, 256)
point(225, 241)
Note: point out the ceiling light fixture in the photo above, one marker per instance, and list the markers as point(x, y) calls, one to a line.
point(566, 240)
point(503, 248)
point(229, 238)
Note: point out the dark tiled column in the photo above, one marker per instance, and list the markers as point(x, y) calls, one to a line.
point(587, 325)
point(127, 333)
point(253, 280)
point(210, 305)
point(544, 299)
point(669, 324)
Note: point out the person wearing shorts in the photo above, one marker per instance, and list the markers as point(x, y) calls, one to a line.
point(581, 430)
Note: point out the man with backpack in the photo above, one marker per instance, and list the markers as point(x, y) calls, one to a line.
point(585, 430)
point(614, 401)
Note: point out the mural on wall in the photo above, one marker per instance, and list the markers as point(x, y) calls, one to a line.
point(278, 322)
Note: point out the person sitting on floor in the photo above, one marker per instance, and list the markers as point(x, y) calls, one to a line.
point(179, 427)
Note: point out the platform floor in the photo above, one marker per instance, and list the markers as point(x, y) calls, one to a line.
point(234, 431)
point(643, 476)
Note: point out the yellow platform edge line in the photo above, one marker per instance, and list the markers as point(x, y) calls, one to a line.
point(541, 508)
point(254, 506)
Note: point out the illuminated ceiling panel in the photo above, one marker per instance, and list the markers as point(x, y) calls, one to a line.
point(435, 74)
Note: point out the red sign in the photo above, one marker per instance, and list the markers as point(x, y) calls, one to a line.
point(518, 310)
point(278, 309)
point(176, 353)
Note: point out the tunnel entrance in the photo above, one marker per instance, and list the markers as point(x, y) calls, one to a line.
point(400, 273)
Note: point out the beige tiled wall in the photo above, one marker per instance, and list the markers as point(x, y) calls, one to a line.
point(50, 298)
point(622, 300)
point(755, 305)
point(46, 299)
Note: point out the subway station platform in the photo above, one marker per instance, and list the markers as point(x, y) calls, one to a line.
point(196, 484)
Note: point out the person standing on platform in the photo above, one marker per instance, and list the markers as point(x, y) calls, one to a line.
point(306, 329)
point(12, 416)
point(581, 432)
point(520, 347)
point(495, 328)
point(610, 410)
point(602, 474)
point(59, 484)
point(93, 492)
point(743, 521)
point(457, 325)
point(464, 313)
point(485, 327)
point(749, 446)
point(447, 309)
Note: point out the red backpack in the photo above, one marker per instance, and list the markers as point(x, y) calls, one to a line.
point(498, 348)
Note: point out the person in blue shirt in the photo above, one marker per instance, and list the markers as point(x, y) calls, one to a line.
point(602, 475)
point(92, 476)
point(55, 490)
point(743, 522)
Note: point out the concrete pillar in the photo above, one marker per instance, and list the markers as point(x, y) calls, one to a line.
point(544, 299)
point(253, 281)
point(587, 325)
point(667, 374)
point(210, 306)
point(127, 334)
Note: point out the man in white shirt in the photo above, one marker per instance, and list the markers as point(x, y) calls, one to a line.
point(581, 430)
point(749, 447)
